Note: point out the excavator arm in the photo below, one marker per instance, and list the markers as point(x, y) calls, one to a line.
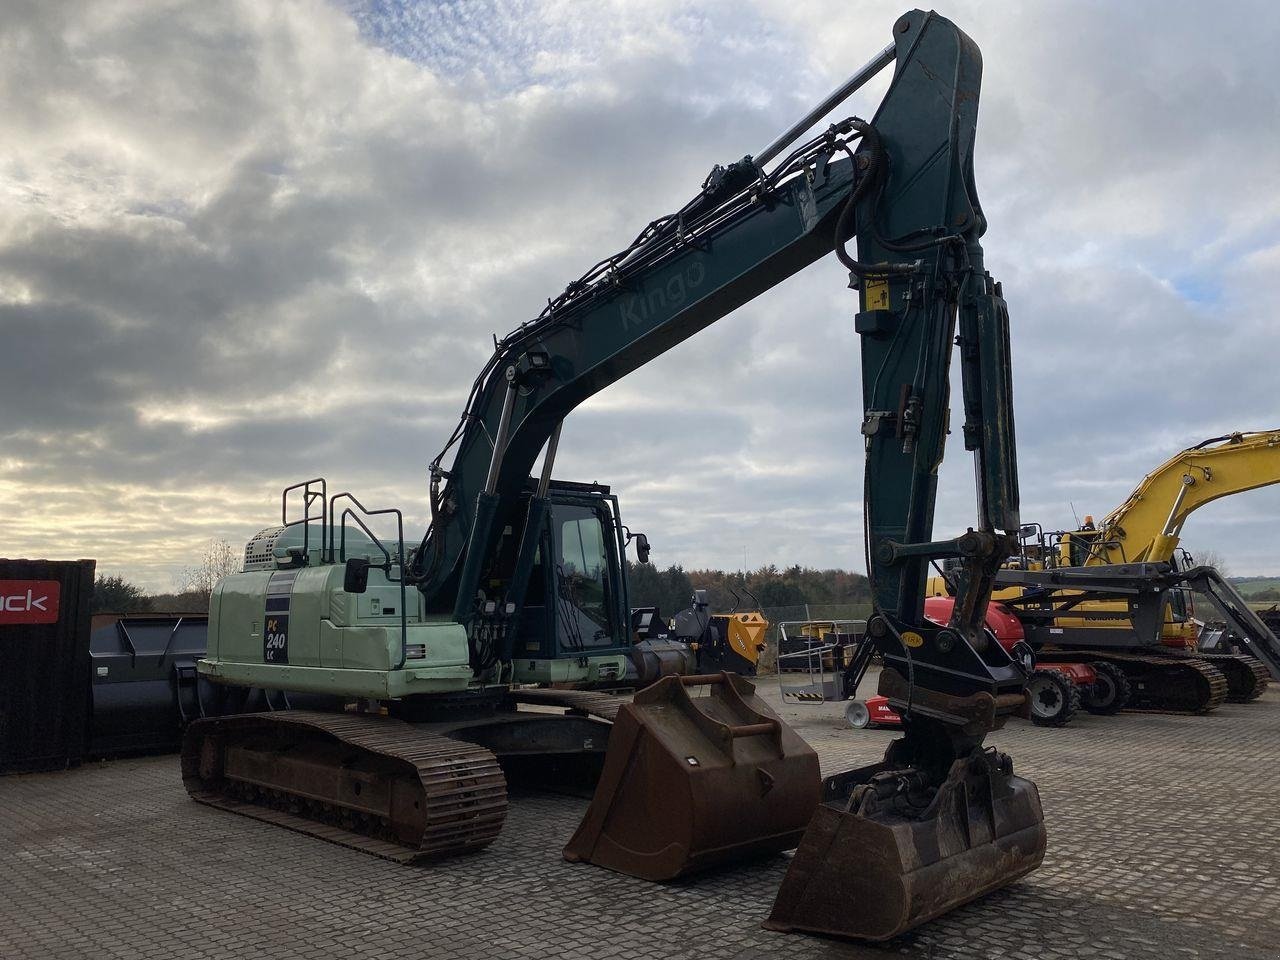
point(903, 185)
point(1146, 528)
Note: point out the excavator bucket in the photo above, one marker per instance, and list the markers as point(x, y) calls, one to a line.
point(877, 861)
point(691, 783)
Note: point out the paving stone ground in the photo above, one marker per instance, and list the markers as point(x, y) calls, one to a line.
point(1163, 844)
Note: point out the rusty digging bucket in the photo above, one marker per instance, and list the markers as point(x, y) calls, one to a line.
point(691, 783)
point(877, 861)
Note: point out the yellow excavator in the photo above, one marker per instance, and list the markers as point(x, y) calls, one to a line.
point(1134, 551)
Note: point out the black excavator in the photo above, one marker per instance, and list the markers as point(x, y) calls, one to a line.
point(435, 652)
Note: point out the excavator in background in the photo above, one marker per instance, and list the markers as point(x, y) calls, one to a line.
point(431, 652)
point(1147, 527)
point(1077, 593)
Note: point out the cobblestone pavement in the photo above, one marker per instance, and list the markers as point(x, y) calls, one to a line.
point(1162, 844)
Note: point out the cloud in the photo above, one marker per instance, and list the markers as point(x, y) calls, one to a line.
point(242, 244)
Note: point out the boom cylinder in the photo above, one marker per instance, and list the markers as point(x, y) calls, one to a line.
point(829, 103)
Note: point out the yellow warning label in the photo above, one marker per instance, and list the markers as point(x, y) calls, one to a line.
point(912, 639)
point(877, 294)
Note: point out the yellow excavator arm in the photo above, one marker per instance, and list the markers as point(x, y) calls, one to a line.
point(1148, 525)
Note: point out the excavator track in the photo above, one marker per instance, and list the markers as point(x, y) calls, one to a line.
point(1160, 684)
point(376, 784)
point(1171, 685)
point(1247, 677)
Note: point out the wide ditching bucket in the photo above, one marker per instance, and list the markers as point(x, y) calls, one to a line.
point(694, 782)
point(878, 860)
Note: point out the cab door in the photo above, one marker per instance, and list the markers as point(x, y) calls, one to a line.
point(583, 576)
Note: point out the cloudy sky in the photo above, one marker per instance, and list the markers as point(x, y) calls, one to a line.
point(243, 244)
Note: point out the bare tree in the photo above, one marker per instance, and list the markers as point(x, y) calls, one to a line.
point(219, 559)
point(1212, 558)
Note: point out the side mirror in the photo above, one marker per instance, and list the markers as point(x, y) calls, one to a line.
point(355, 578)
point(642, 548)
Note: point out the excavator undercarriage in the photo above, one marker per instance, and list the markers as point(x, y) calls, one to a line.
point(1160, 683)
point(373, 783)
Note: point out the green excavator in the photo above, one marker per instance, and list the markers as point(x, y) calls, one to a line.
point(440, 668)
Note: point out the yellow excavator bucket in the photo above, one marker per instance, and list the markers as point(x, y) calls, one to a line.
point(694, 782)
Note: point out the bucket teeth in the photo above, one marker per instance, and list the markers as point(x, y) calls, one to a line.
point(691, 783)
point(873, 863)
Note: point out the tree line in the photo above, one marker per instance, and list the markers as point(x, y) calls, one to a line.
point(115, 594)
point(1264, 595)
point(670, 590)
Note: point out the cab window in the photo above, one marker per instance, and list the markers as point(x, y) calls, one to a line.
point(582, 572)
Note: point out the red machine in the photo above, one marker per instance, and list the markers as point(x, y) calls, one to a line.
point(1055, 691)
point(871, 712)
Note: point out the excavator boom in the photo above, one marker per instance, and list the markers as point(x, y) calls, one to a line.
point(908, 195)
point(1146, 528)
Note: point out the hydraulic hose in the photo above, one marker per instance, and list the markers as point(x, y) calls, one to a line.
point(873, 177)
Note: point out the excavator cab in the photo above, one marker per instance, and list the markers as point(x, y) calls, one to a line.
point(576, 602)
point(574, 608)
point(1080, 547)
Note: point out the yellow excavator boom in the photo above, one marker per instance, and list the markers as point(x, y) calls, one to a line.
point(1148, 525)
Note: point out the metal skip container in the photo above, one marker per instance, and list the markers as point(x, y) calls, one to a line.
point(878, 860)
point(695, 782)
point(44, 663)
